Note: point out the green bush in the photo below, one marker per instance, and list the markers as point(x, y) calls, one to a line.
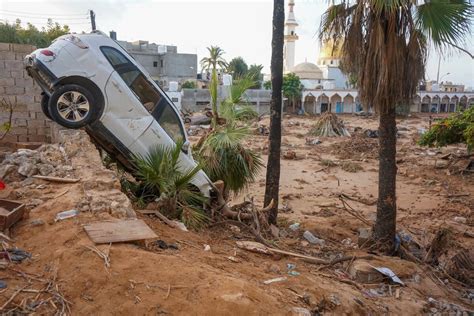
point(458, 128)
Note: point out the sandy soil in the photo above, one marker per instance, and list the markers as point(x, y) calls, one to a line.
point(143, 279)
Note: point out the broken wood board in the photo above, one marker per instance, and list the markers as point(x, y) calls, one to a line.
point(56, 179)
point(119, 231)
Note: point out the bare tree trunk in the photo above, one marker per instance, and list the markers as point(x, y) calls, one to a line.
point(273, 165)
point(385, 224)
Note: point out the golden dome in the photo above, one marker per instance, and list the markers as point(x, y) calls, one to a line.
point(329, 50)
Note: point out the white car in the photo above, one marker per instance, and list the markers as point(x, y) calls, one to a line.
point(89, 80)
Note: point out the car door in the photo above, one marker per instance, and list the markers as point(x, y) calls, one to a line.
point(125, 115)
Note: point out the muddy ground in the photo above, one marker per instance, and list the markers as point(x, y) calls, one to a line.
point(65, 275)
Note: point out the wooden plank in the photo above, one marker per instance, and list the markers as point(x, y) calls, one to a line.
point(56, 179)
point(119, 231)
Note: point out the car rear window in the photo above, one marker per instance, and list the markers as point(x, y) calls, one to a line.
point(114, 57)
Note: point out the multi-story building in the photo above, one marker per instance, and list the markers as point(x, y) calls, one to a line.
point(163, 62)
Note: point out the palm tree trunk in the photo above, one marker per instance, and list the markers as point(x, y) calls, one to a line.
point(273, 165)
point(214, 94)
point(385, 224)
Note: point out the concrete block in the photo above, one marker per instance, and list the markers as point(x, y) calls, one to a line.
point(7, 55)
point(37, 138)
point(23, 48)
point(20, 115)
point(14, 64)
point(24, 82)
point(19, 130)
point(20, 56)
point(42, 131)
point(25, 99)
point(16, 74)
point(20, 108)
point(5, 73)
point(19, 122)
point(7, 82)
point(36, 123)
point(9, 138)
point(4, 47)
point(40, 116)
point(14, 90)
point(22, 138)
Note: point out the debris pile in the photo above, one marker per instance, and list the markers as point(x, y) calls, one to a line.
point(329, 125)
point(47, 160)
point(359, 146)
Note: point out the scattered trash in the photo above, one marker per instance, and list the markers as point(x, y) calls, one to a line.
point(312, 141)
point(207, 248)
point(163, 245)
point(263, 130)
point(294, 227)
point(119, 231)
point(390, 274)
point(291, 269)
point(234, 229)
point(460, 219)
point(3, 284)
point(37, 222)
point(313, 239)
point(371, 133)
point(233, 259)
point(66, 214)
point(15, 255)
point(280, 279)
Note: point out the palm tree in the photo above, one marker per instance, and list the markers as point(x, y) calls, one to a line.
point(385, 44)
point(273, 166)
point(212, 62)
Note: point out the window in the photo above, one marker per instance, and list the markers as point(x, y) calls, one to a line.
point(161, 63)
point(155, 64)
point(141, 87)
point(170, 122)
point(114, 57)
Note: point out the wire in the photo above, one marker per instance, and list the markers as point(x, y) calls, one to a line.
point(40, 14)
point(42, 18)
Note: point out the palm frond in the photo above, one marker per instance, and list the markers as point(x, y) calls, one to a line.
point(445, 22)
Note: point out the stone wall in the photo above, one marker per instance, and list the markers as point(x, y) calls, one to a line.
point(29, 124)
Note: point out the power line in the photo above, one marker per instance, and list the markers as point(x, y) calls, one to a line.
point(41, 14)
point(42, 18)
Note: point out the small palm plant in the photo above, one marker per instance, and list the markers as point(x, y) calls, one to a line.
point(162, 177)
point(222, 153)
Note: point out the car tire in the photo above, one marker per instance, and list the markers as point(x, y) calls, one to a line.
point(45, 105)
point(74, 106)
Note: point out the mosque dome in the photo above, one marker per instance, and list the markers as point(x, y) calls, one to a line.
point(307, 71)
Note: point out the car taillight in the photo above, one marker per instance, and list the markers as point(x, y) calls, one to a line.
point(47, 52)
point(76, 41)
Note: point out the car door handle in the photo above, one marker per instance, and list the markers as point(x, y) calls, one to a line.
point(116, 85)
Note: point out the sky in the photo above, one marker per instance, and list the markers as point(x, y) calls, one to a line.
point(240, 27)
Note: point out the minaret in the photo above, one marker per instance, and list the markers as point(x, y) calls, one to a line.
point(290, 38)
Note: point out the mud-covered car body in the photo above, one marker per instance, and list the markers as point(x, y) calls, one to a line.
point(89, 80)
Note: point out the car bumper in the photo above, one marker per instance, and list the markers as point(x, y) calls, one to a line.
point(40, 73)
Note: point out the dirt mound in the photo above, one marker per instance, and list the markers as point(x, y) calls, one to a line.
point(358, 147)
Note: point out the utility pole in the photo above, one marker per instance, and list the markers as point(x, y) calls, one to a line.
point(439, 64)
point(92, 19)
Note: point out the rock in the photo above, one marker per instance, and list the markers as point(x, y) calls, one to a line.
point(37, 222)
point(363, 272)
point(364, 237)
point(300, 311)
point(5, 170)
point(441, 164)
point(27, 169)
point(45, 169)
point(460, 219)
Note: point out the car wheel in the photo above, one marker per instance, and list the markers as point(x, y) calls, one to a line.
point(45, 106)
point(74, 106)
